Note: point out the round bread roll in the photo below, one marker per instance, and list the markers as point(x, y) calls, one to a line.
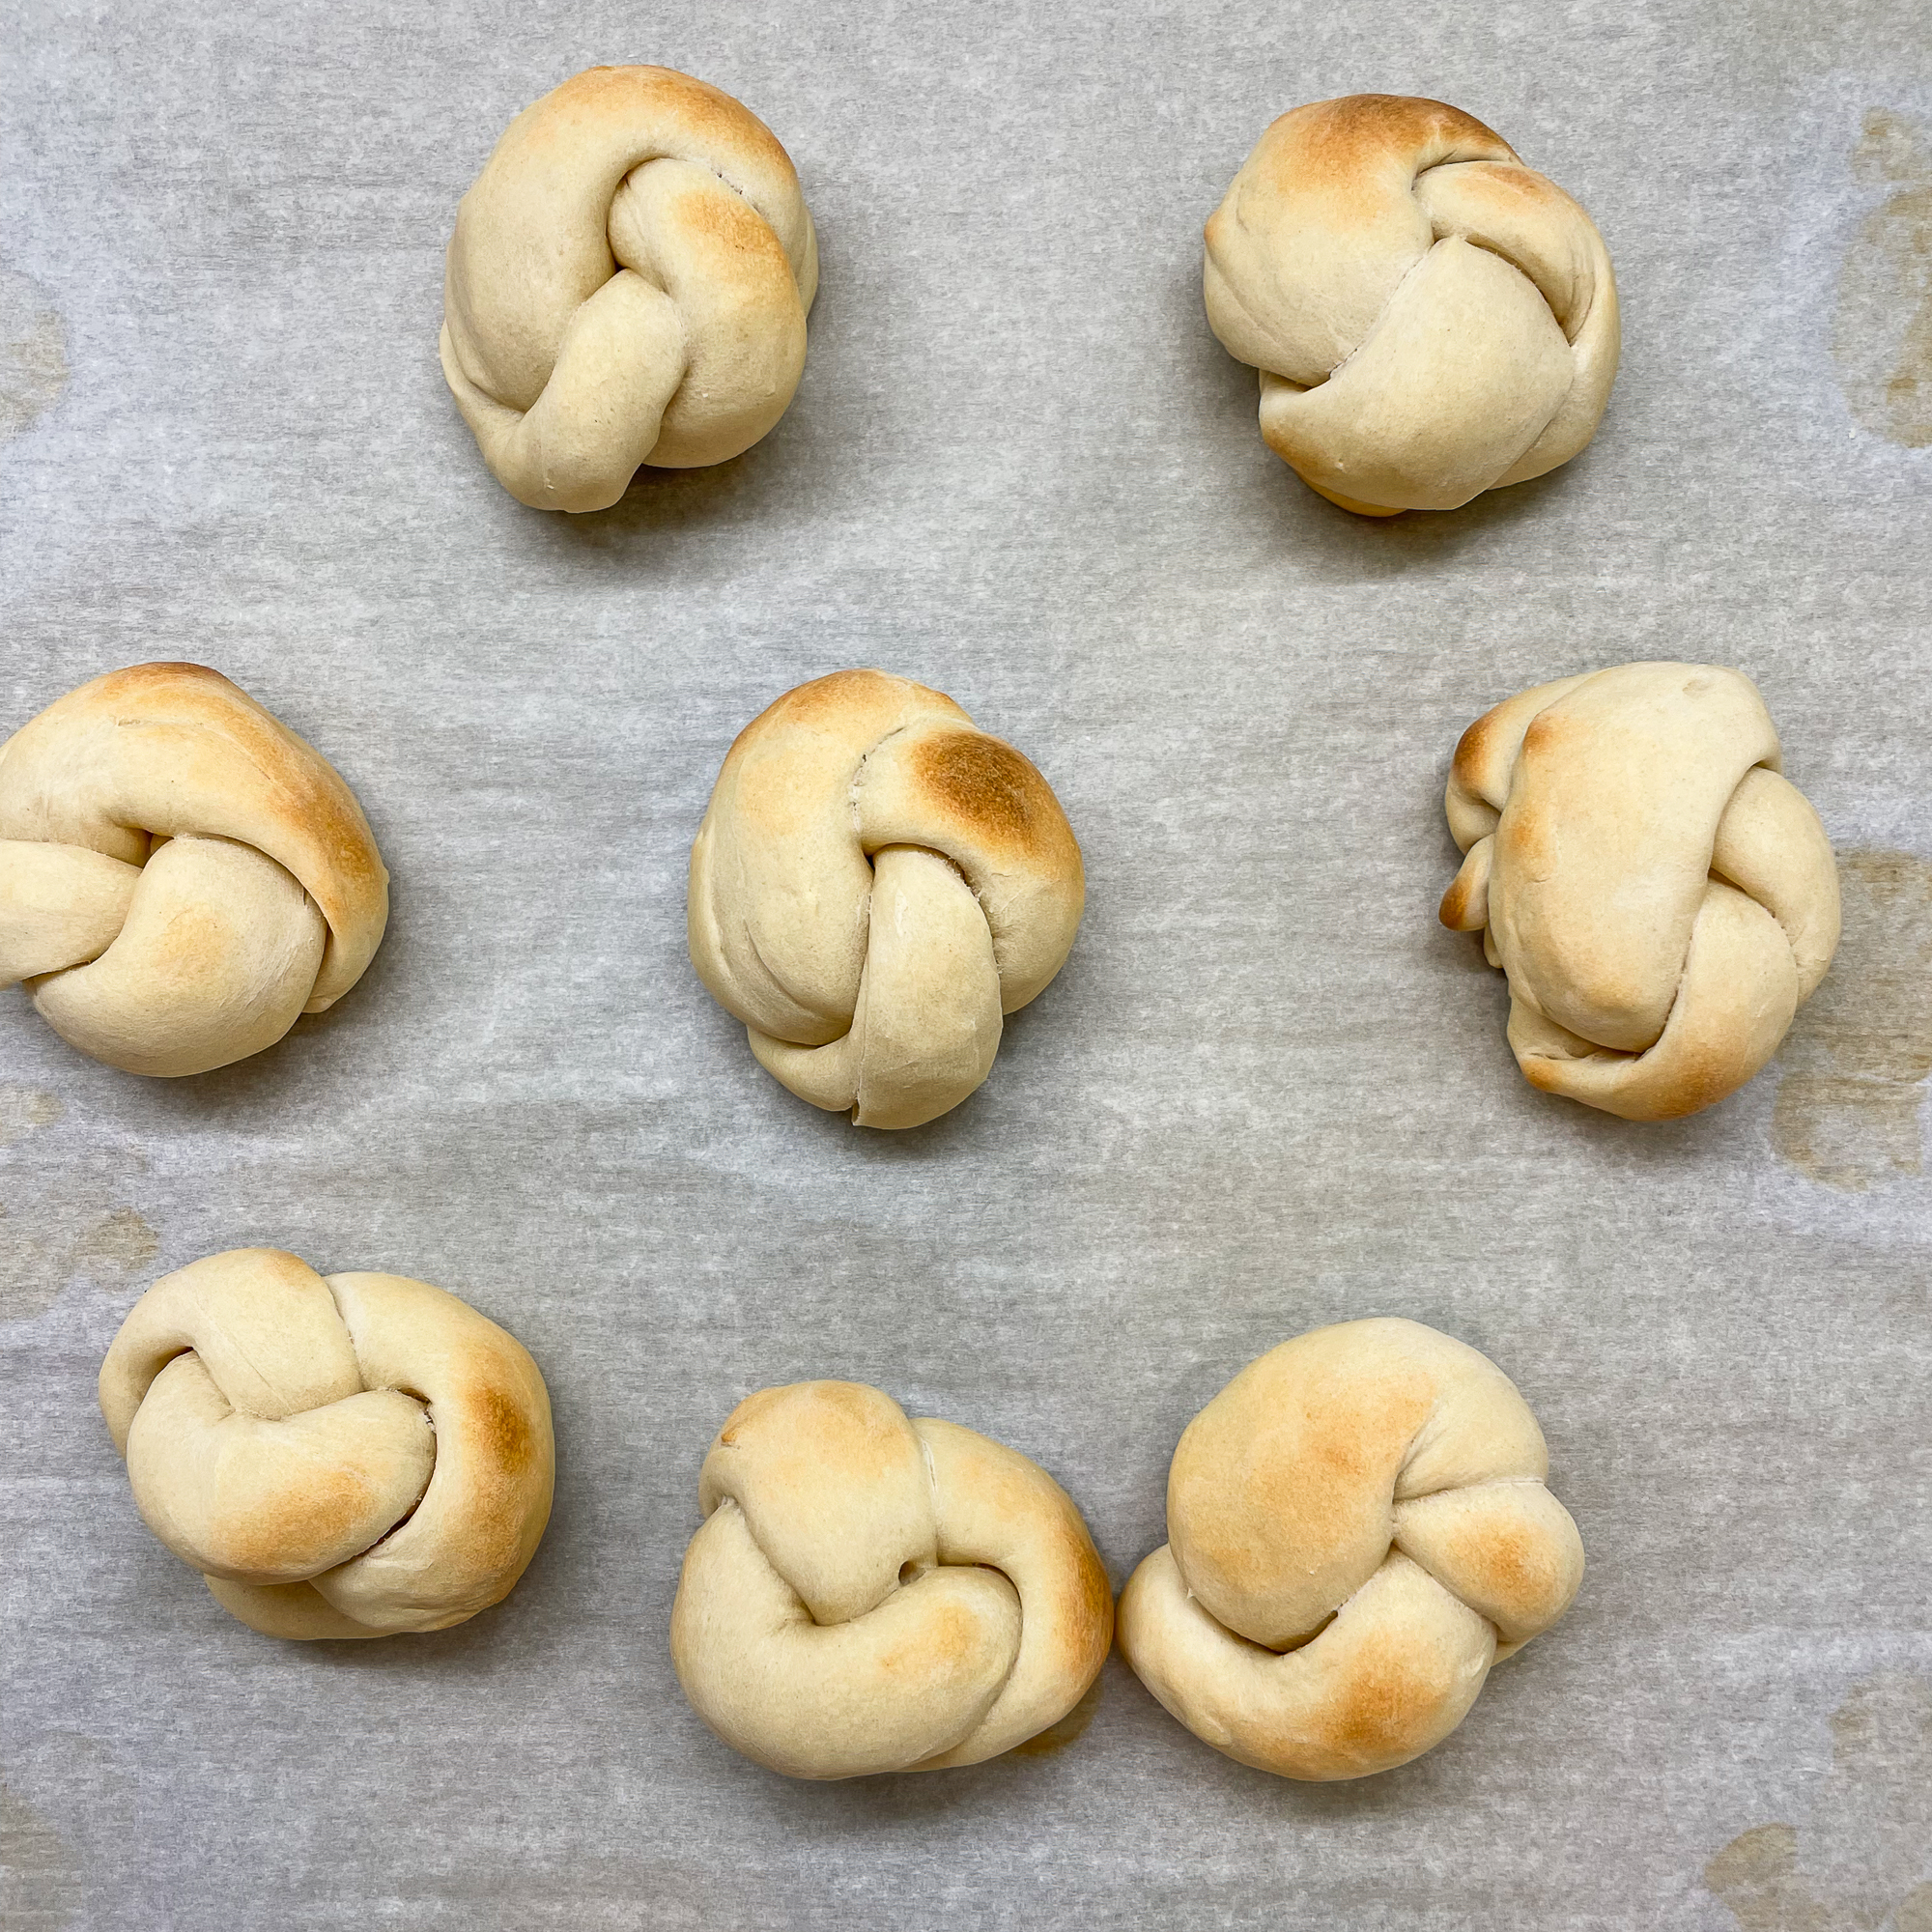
point(628, 283)
point(1430, 318)
point(349, 1457)
point(1357, 1529)
point(181, 876)
point(877, 882)
point(1661, 898)
point(869, 1593)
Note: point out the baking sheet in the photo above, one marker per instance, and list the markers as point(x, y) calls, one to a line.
point(1267, 1092)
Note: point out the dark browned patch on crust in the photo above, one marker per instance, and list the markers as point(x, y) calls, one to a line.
point(840, 691)
point(1546, 729)
point(1472, 749)
point(988, 785)
point(1406, 117)
point(1337, 142)
point(1308, 1480)
point(162, 676)
point(755, 1407)
point(839, 697)
point(821, 697)
point(817, 1423)
point(502, 1430)
point(732, 225)
point(1454, 911)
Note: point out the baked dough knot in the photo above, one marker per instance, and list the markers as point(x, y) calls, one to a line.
point(1357, 1528)
point(340, 1458)
point(875, 884)
point(181, 876)
point(627, 283)
point(1430, 318)
point(1661, 897)
point(869, 1593)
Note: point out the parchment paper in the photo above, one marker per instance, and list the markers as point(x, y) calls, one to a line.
point(1267, 1091)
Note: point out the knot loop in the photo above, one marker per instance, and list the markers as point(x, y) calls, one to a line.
point(1430, 318)
point(1357, 1529)
point(871, 1593)
point(1661, 897)
point(347, 1456)
point(181, 876)
point(876, 882)
point(627, 283)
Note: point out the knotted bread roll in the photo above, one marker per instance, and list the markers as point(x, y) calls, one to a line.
point(1357, 1529)
point(1661, 898)
point(181, 876)
point(869, 1593)
point(1430, 318)
point(627, 283)
point(347, 1456)
point(877, 882)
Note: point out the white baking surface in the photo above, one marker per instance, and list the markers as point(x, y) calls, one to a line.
point(1267, 1091)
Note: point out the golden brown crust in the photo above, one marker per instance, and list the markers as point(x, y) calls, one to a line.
point(859, 791)
point(980, 783)
point(1344, 1520)
point(846, 702)
point(1475, 748)
point(1387, 1699)
point(1430, 318)
point(1335, 142)
point(1458, 904)
point(301, 794)
point(172, 750)
point(706, 113)
point(347, 1458)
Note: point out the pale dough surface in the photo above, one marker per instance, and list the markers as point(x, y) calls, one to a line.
point(869, 1593)
point(627, 283)
point(1661, 897)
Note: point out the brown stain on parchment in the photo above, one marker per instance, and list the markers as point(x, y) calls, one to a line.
point(1882, 334)
point(36, 1266)
point(1063, 1731)
point(1856, 1062)
point(1916, 1913)
point(1859, 1864)
point(33, 353)
point(40, 1876)
point(22, 1109)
